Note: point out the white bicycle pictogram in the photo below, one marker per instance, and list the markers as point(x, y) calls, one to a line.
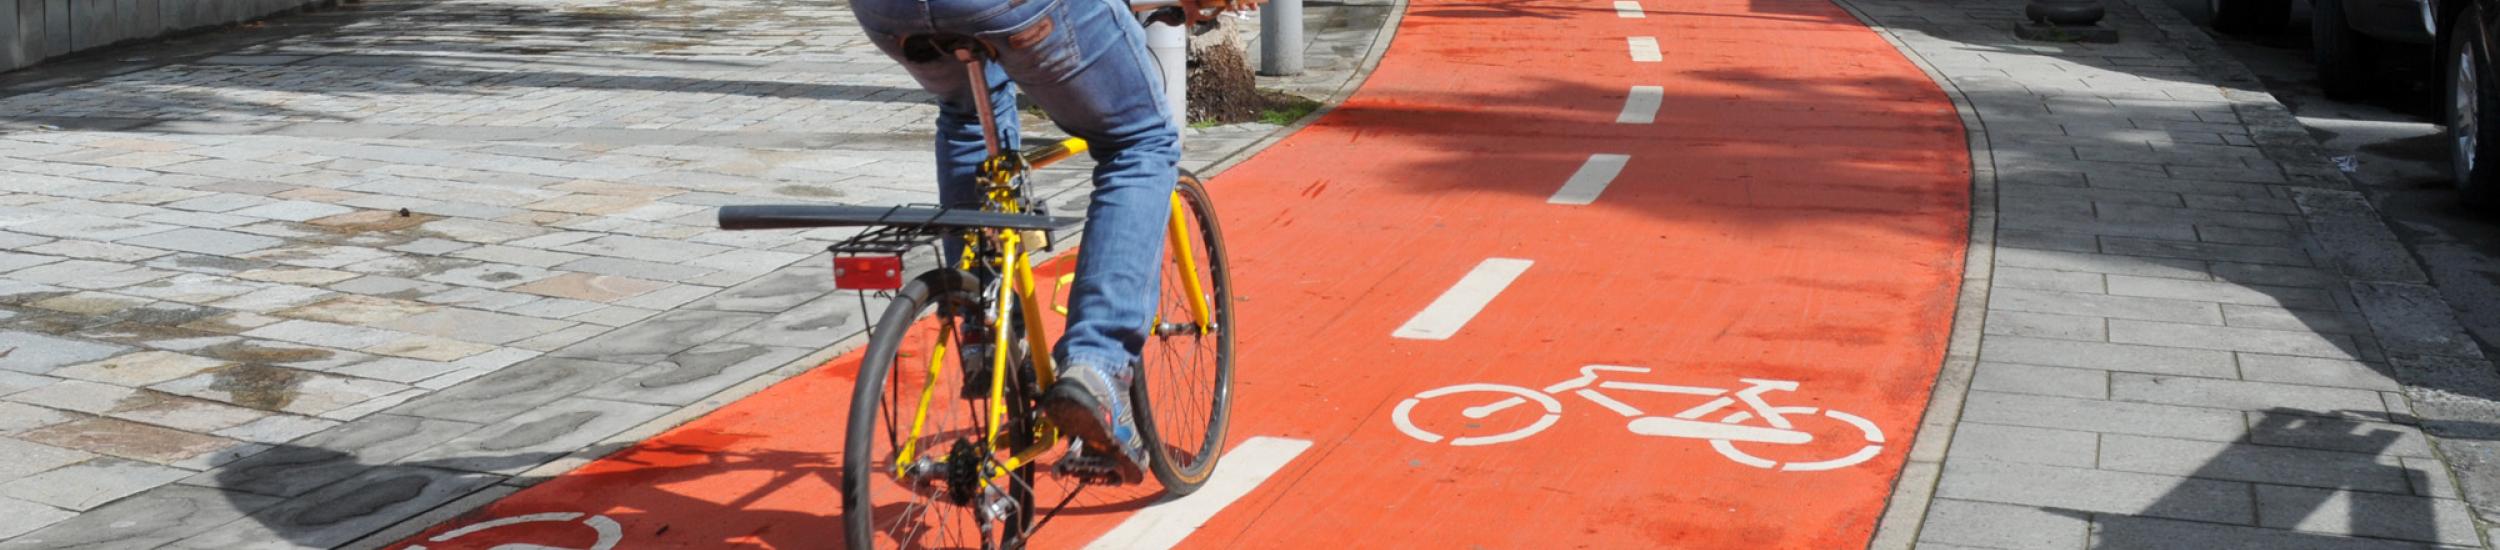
point(607, 530)
point(1758, 422)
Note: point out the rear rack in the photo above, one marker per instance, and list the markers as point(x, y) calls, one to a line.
point(888, 240)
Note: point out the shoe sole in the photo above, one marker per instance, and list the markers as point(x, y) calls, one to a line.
point(1072, 410)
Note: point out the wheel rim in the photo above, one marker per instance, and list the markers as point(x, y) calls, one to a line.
point(2464, 121)
point(1185, 366)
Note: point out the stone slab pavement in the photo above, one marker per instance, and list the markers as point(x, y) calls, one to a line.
point(288, 289)
point(2181, 327)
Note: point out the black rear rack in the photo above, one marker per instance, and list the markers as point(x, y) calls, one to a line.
point(802, 216)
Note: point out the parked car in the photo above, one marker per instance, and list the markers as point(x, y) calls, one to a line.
point(2351, 39)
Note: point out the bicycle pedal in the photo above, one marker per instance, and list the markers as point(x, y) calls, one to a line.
point(1089, 469)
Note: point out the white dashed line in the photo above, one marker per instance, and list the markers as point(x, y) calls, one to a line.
point(1628, 9)
point(1644, 49)
point(1642, 106)
point(1463, 301)
point(1165, 525)
point(1592, 179)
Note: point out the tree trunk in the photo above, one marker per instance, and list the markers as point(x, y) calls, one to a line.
point(1222, 87)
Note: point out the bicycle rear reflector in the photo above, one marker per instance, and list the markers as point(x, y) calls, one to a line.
point(868, 272)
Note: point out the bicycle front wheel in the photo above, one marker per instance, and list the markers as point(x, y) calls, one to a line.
point(899, 402)
point(1184, 391)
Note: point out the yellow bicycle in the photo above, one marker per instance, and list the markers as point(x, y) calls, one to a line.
point(918, 472)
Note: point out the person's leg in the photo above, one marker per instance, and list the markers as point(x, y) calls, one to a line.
point(1085, 62)
point(1104, 87)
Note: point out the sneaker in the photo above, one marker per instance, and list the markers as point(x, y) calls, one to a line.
point(1093, 407)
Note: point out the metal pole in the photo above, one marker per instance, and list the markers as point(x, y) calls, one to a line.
point(1170, 46)
point(1280, 38)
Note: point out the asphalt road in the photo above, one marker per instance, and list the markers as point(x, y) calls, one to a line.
point(2393, 145)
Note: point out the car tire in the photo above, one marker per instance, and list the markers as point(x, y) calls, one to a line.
point(2473, 112)
point(2342, 54)
point(2249, 17)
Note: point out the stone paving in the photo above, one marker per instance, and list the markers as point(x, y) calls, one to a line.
point(2196, 334)
point(295, 292)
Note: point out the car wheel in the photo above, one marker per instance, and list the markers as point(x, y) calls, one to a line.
point(2249, 17)
point(2471, 112)
point(2342, 55)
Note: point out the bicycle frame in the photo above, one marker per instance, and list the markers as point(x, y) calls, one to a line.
point(1001, 174)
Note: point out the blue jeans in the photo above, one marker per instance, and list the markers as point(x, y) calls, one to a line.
point(1085, 62)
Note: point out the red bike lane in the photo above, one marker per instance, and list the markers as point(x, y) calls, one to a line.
point(1771, 206)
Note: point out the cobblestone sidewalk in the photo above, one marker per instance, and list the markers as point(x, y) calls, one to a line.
point(2196, 335)
point(297, 292)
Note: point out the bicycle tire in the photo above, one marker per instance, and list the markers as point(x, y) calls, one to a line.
point(1186, 446)
point(864, 466)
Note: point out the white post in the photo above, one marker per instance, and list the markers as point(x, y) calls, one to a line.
point(1170, 46)
point(1280, 38)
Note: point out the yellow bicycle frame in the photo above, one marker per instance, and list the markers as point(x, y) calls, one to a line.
point(1018, 290)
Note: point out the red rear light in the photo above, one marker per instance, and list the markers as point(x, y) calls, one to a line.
point(868, 272)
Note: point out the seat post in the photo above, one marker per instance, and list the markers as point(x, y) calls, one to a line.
point(981, 97)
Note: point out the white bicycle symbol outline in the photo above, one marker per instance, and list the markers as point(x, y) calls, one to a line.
point(607, 529)
point(1724, 433)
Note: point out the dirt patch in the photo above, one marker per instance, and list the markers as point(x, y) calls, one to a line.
point(1223, 90)
point(371, 221)
point(248, 352)
point(258, 386)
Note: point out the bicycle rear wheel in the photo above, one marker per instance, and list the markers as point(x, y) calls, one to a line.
point(1184, 391)
point(936, 509)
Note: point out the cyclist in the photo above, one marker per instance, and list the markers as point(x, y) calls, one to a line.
point(1085, 62)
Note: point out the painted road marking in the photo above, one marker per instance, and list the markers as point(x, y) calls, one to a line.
point(1461, 303)
point(1592, 179)
point(1243, 469)
point(1644, 49)
point(1628, 9)
point(1642, 106)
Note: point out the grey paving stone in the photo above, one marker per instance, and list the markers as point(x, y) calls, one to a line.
point(2219, 291)
point(2129, 531)
point(2204, 251)
point(2332, 346)
point(2249, 396)
point(774, 293)
point(277, 428)
point(205, 241)
point(20, 458)
point(634, 268)
point(343, 512)
point(294, 211)
point(2312, 320)
point(2413, 319)
point(538, 436)
point(2025, 444)
point(36, 353)
point(696, 373)
point(2042, 279)
point(279, 389)
point(153, 518)
point(17, 417)
point(76, 395)
point(326, 334)
point(2047, 325)
point(2366, 514)
point(17, 516)
point(2101, 491)
point(2115, 357)
point(2089, 415)
point(89, 227)
point(514, 390)
point(332, 455)
point(2039, 380)
point(90, 484)
point(2315, 372)
point(2101, 305)
point(2001, 526)
point(2244, 461)
point(661, 336)
point(640, 248)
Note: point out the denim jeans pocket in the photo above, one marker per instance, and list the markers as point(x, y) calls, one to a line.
point(1041, 50)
